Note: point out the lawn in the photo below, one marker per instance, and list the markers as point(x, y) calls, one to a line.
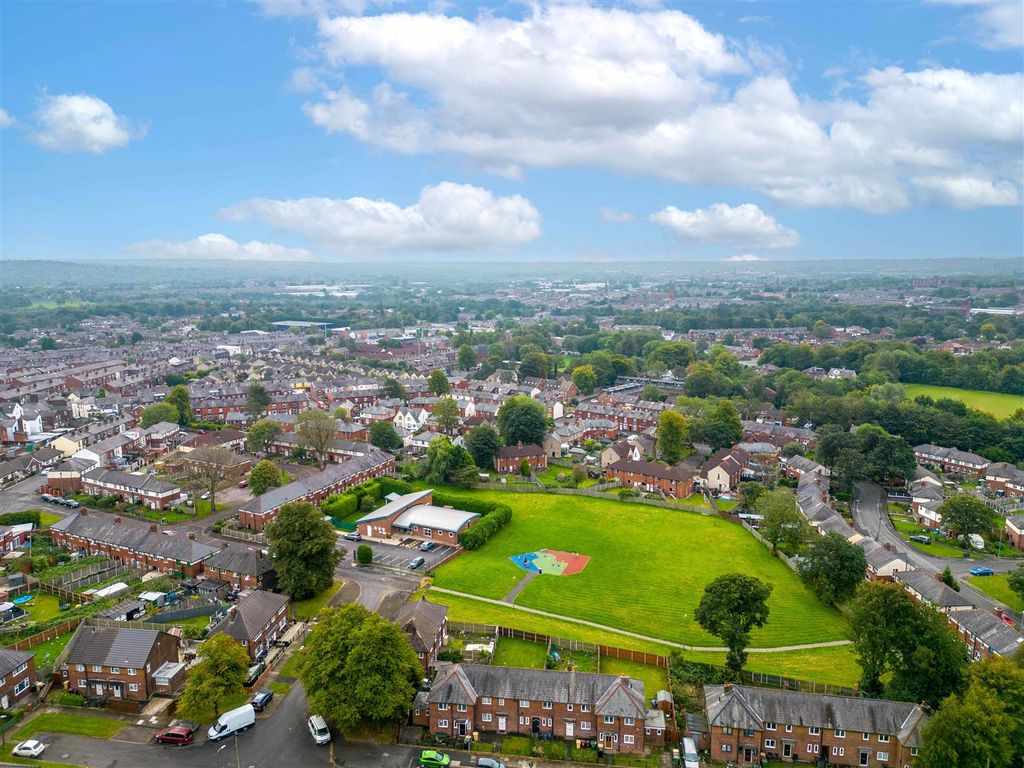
point(647, 572)
point(46, 653)
point(998, 587)
point(45, 607)
point(46, 519)
point(695, 500)
point(279, 687)
point(291, 667)
point(997, 403)
point(304, 610)
point(550, 477)
point(76, 725)
point(519, 653)
point(940, 546)
point(653, 678)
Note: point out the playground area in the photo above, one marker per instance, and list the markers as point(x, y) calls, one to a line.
point(553, 562)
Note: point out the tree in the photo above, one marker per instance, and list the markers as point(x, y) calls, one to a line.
point(446, 413)
point(394, 389)
point(972, 732)
point(209, 470)
point(437, 383)
point(733, 605)
point(965, 514)
point(671, 436)
point(783, 523)
point(720, 426)
point(988, 331)
point(1003, 677)
point(750, 492)
point(341, 414)
point(949, 580)
point(101, 393)
point(264, 476)
point(466, 358)
point(182, 401)
point(524, 468)
point(535, 365)
point(364, 554)
point(384, 435)
point(256, 400)
point(652, 393)
point(302, 545)
point(483, 443)
point(47, 343)
point(1016, 581)
point(436, 463)
point(157, 412)
point(218, 677)
point(934, 667)
point(315, 430)
point(883, 617)
point(261, 434)
point(357, 666)
point(834, 568)
point(522, 419)
point(585, 379)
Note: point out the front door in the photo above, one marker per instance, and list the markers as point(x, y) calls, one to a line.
point(5, 703)
point(748, 754)
point(99, 689)
point(570, 729)
point(462, 727)
point(864, 757)
point(787, 749)
point(608, 743)
point(502, 722)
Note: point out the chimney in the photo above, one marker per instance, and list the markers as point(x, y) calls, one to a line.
point(154, 528)
point(117, 519)
point(727, 687)
point(192, 535)
point(231, 614)
point(84, 511)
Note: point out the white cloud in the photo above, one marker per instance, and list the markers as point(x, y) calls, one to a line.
point(655, 93)
point(6, 119)
point(723, 224)
point(998, 23)
point(743, 257)
point(81, 123)
point(447, 216)
point(215, 246)
point(966, 192)
point(616, 216)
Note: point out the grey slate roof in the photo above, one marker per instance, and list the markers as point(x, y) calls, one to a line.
point(112, 647)
point(607, 694)
point(11, 660)
point(148, 483)
point(251, 615)
point(990, 631)
point(933, 591)
point(421, 621)
point(740, 706)
point(134, 535)
point(250, 562)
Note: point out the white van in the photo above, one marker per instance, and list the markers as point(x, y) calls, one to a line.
point(690, 759)
point(232, 721)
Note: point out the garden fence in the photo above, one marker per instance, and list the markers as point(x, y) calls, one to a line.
point(232, 533)
point(47, 634)
point(597, 494)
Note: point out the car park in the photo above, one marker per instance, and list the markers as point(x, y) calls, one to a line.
point(352, 536)
point(431, 758)
point(261, 700)
point(30, 748)
point(921, 539)
point(981, 571)
point(174, 735)
point(417, 563)
point(319, 730)
point(426, 546)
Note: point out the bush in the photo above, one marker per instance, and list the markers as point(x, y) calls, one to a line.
point(391, 485)
point(364, 554)
point(367, 503)
point(553, 750)
point(450, 654)
point(18, 518)
point(517, 745)
point(584, 755)
point(66, 699)
point(340, 505)
point(490, 524)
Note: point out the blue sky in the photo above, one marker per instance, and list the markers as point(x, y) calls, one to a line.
point(316, 129)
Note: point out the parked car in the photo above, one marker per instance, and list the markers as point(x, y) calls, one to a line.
point(980, 571)
point(318, 728)
point(30, 748)
point(489, 762)
point(352, 536)
point(417, 563)
point(176, 735)
point(255, 671)
point(426, 546)
point(261, 700)
point(46, 497)
point(921, 539)
point(204, 495)
point(243, 484)
point(178, 722)
point(233, 721)
point(431, 758)
point(1006, 619)
point(282, 643)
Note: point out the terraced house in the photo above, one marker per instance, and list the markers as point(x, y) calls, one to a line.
point(568, 705)
point(747, 723)
point(147, 490)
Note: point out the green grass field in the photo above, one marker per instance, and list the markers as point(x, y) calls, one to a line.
point(76, 725)
point(46, 653)
point(997, 403)
point(652, 677)
point(304, 610)
point(940, 546)
point(46, 519)
point(998, 586)
point(647, 572)
point(519, 653)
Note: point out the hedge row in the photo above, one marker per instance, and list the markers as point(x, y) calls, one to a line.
point(18, 518)
point(490, 524)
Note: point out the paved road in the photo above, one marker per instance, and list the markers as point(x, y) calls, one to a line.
point(25, 495)
point(377, 585)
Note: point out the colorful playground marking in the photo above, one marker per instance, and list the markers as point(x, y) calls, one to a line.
point(551, 561)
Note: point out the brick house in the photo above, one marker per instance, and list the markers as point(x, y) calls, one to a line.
point(1005, 477)
point(722, 471)
point(147, 490)
point(927, 589)
point(135, 543)
point(414, 514)
point(426, 626)
point(651, 476)
point(242, 567)
point(509, 458)
point(256, 622)
point(569, 705)
point(951, 460)
point(1015, 530)
point(985, 634)
point(745, 723)
point(256, 514)
point(17, 676)
point(118, 665)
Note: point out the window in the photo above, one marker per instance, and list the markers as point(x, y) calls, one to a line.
point(545, 705)
point(608, 719)
point(442, 723)
point(884, 738)
point(486, 717)
point(812, 749)
point(524, 703)
point(789, 729)
point(881, 756)
point(727, 731)
point(770, 726)
point(913, 751)
point(769, 743)
point(727, 747)
point(584, 707)
point(546, 722)
point(501, 702)
point(522, 720)
point(866, 736)
point(748, 732)
point(133, 687)
point(443, 706)
point(115, 670)
point(20, 669)
point(814, 730)
point(838, 751)
point(627, 738)
point(460, 708)
point(840, 733)
point(630, 721)
point(21, 686)
point(485, 699)
point(97, 668)
point(131, 671)
point(585, 725)
point(568, 707)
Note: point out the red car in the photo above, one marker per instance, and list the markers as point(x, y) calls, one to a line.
point(175, 735)
point(1006, 620)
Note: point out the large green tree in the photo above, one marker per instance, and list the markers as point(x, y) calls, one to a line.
point(671, 436)
point(446, 413)
point(783, 523)
point(447, 463)
point(963, 515)
point(256, 400)
point(1016, 581)
point(534, 365)
point(972, 732)
point(215, 679)
point(358, 667)
point(585, 379)
point(384, 436)
point(182, 402)
point(719, 426)
point(394, 389)
point(732, 606)
point(264, 476)
point(261, 434)
point(833, 567)
point(483, 443)
point(437, 383)
point(522, 419)
point(157, 412)
point(466, 358)
point(302, 544)
point(316, 429)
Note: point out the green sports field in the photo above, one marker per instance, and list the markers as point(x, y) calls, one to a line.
point(997, 403)
point(647, 571)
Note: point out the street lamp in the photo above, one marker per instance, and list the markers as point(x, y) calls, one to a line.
point(3, 729)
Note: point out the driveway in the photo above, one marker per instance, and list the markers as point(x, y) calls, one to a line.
point(382, 589)
point(25, 495)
